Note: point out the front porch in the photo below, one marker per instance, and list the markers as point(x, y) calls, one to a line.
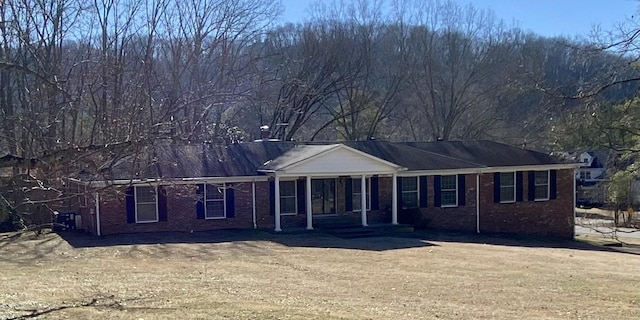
point(333, 180)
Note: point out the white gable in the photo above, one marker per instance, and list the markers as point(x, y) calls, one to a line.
point(341, 160)
point(586, 158)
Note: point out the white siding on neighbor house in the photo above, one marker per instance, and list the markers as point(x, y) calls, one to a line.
point(594, 173)
point(340, 161)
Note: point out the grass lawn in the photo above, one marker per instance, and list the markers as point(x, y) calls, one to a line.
point(258, 275)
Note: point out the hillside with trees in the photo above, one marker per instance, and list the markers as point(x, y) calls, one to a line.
point(83, 84)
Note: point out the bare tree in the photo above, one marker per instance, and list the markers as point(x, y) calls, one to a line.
point(456, 67)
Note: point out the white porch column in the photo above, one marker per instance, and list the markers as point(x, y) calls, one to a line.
point(309, 207)
point(394, 199)
point(363, 200)
point(277, 203)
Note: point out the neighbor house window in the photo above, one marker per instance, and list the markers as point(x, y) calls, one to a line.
point(585, 175)
point(449, 191)
point(357, 195)
point(214, 201)
point(409, 192)
point(507, 187)
point(541, 185)
point(288, 197)
point(146, 204)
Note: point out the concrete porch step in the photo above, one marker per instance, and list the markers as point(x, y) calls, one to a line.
point(336, 222)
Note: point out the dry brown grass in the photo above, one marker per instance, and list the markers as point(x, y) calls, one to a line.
point(253, 275)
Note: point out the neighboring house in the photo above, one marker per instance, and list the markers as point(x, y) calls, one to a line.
point(477, 186)
point(591, 177)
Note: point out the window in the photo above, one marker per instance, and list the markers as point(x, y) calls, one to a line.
point(541, 185)
point(585, 175)
point(507, 187)
point(214, 201)
point(146, 204)
point(409, 192)
point(288, 197)
point(449, 191)
point(357, 195)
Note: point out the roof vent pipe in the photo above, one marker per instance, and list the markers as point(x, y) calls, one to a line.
point(265, 133)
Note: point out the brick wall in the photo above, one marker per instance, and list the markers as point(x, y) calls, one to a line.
point(462, 218)
point(553, 217)
point(181, 211)
point(550, 218)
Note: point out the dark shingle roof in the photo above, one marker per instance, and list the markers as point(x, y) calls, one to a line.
point(295, 155)
point(410, 157)
point(168, 160)
point(488, 153)
point(171, 160)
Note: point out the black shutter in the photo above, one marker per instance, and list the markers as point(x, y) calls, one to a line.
point(519, 191)
point(496, 187)
point(532, 185)
point(131, 205)
point(553, 186)
point(462, 190)
point(348, 194)
point(230, 201)
point(375, 200)
point(200, 202)
point(301, 196)
point(437, 195)
point(272, 198)
point(162, 203)
point(399, 195)
point(423, 191)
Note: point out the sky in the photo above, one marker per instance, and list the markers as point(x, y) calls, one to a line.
point(570, 18)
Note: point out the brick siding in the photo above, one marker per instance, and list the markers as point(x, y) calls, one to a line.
point(550, 218)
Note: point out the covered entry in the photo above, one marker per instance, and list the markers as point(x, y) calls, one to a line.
point(317, 169)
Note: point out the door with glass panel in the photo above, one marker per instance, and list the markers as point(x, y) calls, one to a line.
point(323, 196)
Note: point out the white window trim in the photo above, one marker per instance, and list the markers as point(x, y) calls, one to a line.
point(416, 191)
point(353, 192)
point(295, 197)
point(135, 197)
point(456, 190)
point(548, 184)
point(224, 202)
point(514, 189)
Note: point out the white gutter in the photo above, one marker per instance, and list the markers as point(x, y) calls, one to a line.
point(477, 203)
point(558, 166)
point(179, 181)
point(253, 193)
point(97, 198)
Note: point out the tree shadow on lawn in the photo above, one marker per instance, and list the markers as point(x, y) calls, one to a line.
point(320, 239)
point(309, 239)
point(527, 241)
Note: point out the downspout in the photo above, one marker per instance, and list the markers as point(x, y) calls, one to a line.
point(574, 203)
point(97, 199)
point(478, 203)
point(253, 193)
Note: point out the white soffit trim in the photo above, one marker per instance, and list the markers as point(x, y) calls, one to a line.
point(177, 181)
point(531, 167)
